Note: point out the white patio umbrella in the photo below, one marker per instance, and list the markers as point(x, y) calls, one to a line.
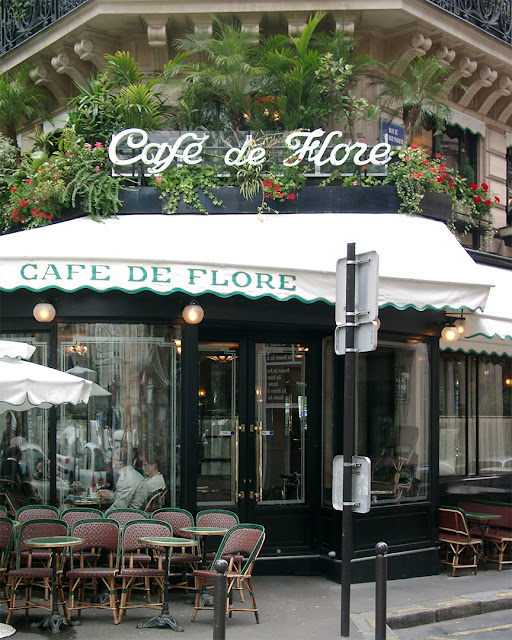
point(26, 385)
point(96, 391)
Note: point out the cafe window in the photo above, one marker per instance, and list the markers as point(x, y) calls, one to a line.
point(29, 431)
point(459, 148)
point(475, 423)
point(123, 446)
point(392, 420)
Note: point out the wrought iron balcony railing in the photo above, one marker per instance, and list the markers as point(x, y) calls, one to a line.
point(492, 16)
point(22, 19)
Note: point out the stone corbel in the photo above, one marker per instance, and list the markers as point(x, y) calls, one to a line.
point(505, 89)
point(251, 25)
point(345, 21)
point(465, 69)
point(485, 79)
point(156, 29)
point(203, 29)
point(41, 75)
point(296, 24)
point(506, 113)
point(419, 45)
point(64, 64)
point(87, 50)
point(445, 56)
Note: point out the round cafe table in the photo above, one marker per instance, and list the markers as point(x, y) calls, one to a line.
point(165, 618)
point(54, 620)
point(202, 533)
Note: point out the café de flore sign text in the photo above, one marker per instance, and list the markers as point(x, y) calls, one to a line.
point(317, 147)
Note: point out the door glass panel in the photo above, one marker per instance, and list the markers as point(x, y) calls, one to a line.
point(218, 438)
point(281, 422)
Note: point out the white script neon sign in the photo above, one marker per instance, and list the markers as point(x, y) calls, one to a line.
point(317, 147)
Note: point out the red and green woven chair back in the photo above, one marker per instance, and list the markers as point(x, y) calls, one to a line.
point(243, 539)
point(453, 520)
point(76, 514)
point(133, 531)
point(31, 512)
point(177, 518)
point(97, 534)
point(126, 515)
point(217, 518)
point(42, 527)
point(6, 540)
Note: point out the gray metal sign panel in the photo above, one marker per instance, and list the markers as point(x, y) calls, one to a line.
point(367, 288)
point(361, 484)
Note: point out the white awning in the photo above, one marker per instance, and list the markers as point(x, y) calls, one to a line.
point(422, 265)
point(489, 331)
point(465, 121)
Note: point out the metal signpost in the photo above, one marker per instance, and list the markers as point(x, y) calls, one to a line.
point(357, 286)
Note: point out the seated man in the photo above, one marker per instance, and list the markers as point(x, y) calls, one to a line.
point(130, 491)
point(155, 480)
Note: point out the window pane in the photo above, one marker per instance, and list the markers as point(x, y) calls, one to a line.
point(452, 415)
point(125, 439)
point(281, 415)
point(328, 418)
point(393, 420)
point(218, 438)
point(29, 431)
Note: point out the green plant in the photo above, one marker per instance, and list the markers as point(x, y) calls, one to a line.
point(417, 92)
point(226, 75)
point(414, 173)
point(20, 100)
point(282, 183)
point(185, 183)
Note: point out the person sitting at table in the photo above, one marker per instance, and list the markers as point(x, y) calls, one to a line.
point(11, 467)
point(130, 490)
point(155, 480)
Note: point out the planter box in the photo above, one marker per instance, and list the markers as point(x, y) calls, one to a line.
point(310, 199)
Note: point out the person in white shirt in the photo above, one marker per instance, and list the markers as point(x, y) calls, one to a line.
point(155, 480)
point(130, 491)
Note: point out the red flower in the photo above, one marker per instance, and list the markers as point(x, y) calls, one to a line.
point(277, 187)
point(477, 199)
point(487, 203)
point(28, 181)
point(496, 198)
point(291, 196)
point(12, 189)
point(50, 217)
point(424, 161)
point(440, 178)
point(24, 203)
point(413, 146)
point(485, 187)
point(438, 155)
point(474, 186)
point(451, 185)
point(407, 158)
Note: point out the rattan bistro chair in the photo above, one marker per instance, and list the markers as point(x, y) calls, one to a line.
point(183, 560)
point(31, 575)
point(132, 570)
point(458, 548)
point(241, 540)
point(99, 535)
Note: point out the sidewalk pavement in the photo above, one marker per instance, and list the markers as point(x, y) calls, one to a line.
point(306, 608)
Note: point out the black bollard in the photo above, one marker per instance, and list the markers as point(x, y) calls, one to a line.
point(219, 601)
point(381, 575)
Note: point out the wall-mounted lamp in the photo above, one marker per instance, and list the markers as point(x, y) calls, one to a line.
point(79, 349)
point(450, 334)
point(460, 325)
point(193, 313)
point(44, 312)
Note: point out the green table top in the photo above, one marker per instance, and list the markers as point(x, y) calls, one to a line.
point(53, 542)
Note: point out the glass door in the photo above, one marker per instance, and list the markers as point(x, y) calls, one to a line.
point(254, 457)
point(281, 423)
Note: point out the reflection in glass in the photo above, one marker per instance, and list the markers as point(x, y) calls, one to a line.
point(393, 420)
point(130, 421)
point(281, 422)
point(29, 431)
point(218, 436)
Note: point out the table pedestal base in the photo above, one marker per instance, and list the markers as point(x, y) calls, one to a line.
point(162, 620)
point(54, 621)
